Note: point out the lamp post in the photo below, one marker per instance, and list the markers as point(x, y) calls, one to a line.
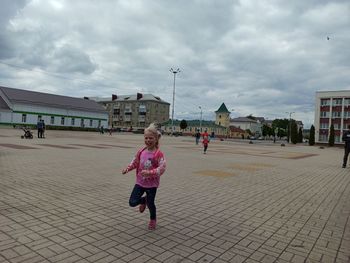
point(172, 111)
point(200, 122)
point(290, 125)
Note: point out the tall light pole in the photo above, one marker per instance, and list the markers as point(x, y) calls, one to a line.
point(200, 122)
point(290, 124)
point(172, 111)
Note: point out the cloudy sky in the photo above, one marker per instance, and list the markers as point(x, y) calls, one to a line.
point(262, 57)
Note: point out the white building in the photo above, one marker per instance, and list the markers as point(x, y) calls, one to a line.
point(245, 123)
point(331, 107)
point(23, 107)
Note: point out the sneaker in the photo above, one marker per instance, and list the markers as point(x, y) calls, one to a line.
point(142, 207)
point(152, 224)
point(344, 166)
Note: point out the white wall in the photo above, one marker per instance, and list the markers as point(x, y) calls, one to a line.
point(5, 116)
point(33, 111)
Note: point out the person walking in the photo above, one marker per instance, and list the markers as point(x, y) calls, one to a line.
point(346, 139)
point(39, 126)
point(198, 136)
point(205, 144)
point(150, 164)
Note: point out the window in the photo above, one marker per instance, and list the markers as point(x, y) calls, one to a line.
point(72, 121)
point(62, 121)
point(325, 102)
point(323, 138)
point(82, 123)
point(324, 114)
point(24, 117)
point(324, 125)
point(336, 114)
point(52, 120)
point(336, 126)
point(347, 102)
point(90, 123)
point(337, 101)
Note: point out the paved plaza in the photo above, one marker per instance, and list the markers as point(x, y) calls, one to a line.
point(64, 199)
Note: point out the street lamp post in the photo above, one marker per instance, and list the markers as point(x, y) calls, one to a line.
point(200, 122)
point(290, 125)
point(172, 111)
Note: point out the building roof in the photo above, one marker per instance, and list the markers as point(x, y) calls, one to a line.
point(236, 129)
point(50, 100)
point(242, 119)
point(222, 109)
point(3, 104)
point(260, 119)
point(138, 97)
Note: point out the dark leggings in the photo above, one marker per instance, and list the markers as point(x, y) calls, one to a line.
point(136, 198)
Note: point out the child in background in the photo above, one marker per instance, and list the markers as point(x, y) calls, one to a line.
point(205, 143)
point(150, 164)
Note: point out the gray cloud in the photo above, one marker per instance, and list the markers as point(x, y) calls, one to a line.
point(262, 58)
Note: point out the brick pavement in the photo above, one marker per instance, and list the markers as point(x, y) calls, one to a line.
point(63, 199)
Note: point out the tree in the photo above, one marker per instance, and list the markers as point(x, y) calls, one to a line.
point(294, 132)
point(331, 136)
point(265, 130)
point(270, 131)
point(281, 133)
point(312, 136)
point(183, 124)
point(300, 135)
point(251, 117)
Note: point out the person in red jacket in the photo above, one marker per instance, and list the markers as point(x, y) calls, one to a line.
point(150, 164)
point(205, 143)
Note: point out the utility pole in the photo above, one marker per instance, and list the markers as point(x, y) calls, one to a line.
point(172, 111)
point(200, 122)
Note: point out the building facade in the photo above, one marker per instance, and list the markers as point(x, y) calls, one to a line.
point(331, 107)
point(222, 116)
point(245, 123)
point(136, 111)
point(193, 126)
point(24, 107)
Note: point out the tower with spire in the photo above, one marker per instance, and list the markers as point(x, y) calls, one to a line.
point(222, 116)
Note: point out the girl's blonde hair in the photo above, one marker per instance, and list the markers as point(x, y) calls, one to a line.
point(152, 128)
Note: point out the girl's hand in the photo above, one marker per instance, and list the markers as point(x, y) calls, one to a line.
point(125, 171)
point(145, 173)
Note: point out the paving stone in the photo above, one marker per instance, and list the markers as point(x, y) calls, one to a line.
point(71, 205)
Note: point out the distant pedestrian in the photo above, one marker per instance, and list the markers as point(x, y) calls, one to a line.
point(150, 164)
point(198, 136)
point(205, 143)
point(346, 139)
point(205, 133)
point(39, 126)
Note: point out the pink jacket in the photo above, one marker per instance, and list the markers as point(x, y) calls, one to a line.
point(157, 167)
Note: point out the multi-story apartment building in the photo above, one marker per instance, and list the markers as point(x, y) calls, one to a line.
point(136, 111)
point(332, 107)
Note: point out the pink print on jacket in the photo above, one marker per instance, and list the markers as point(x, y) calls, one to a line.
point(154, 162)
